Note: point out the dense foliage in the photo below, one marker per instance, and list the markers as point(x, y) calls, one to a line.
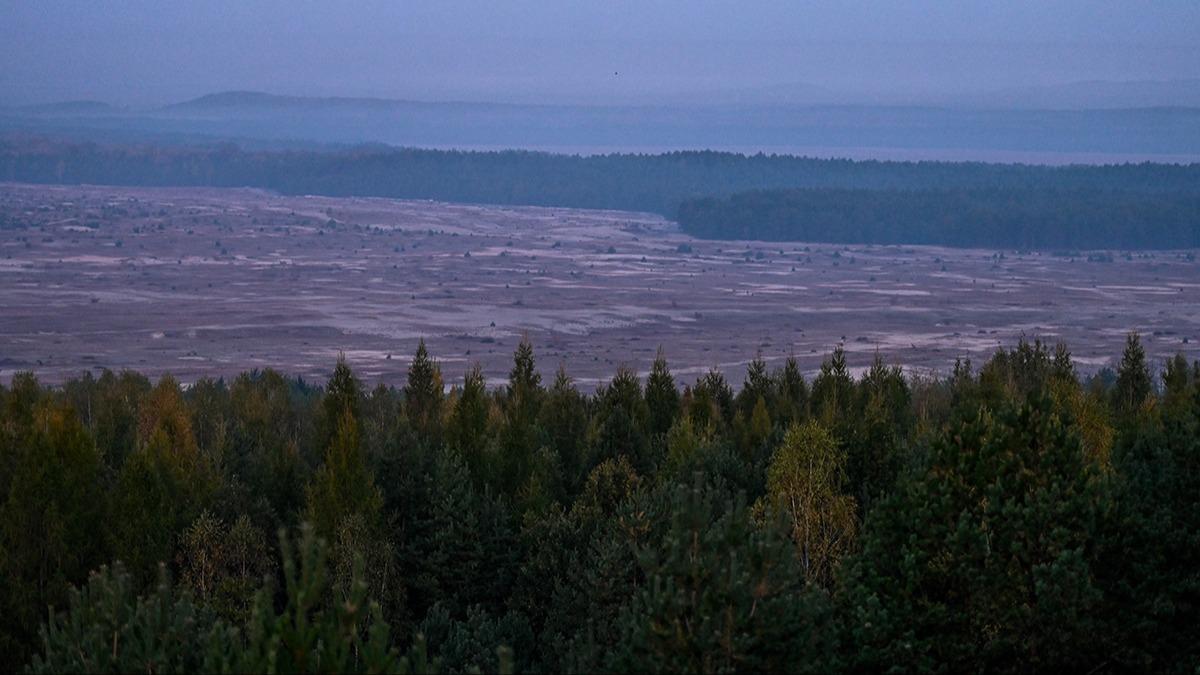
point(978, 217)
point(1007, 518)
point(821, 199)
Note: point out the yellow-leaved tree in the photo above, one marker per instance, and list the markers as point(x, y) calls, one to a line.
point(804, 482)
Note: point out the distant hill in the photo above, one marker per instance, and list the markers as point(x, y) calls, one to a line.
point(226, 99)
point(257, 100)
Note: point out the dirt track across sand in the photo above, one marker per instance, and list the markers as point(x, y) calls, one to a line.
point(210, 282)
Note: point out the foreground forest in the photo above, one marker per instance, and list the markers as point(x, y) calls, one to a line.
point(715, 195)
point(1010, 517)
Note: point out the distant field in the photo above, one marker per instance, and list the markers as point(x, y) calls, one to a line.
point(206, 281)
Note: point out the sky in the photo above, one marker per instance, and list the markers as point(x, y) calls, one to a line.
point(142, 53)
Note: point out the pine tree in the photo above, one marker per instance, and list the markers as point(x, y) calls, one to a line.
point(111, 626)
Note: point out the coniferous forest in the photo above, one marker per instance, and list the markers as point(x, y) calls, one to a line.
point(1006, 218)
point(1010, 517)
point(715, 195)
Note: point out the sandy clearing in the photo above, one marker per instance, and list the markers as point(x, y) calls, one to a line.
point(244, 278)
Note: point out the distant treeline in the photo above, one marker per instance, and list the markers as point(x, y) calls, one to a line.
point(984, 217)
point(861, 194)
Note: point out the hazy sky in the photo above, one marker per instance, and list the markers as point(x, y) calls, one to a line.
point(148, 52)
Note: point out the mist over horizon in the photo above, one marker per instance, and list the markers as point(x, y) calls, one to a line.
point(144, 54)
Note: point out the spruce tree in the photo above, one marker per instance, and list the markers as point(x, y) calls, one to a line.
point(563, 422)
point(876, 441)
point(265, 441)
point(620, 421)
point(423, 394)
point(833, 391)
point(709, 606)
point(113, 413)
point(756, 385)
point(51, 524)
point(662, 398)
point(759, 426)
point(1134, 382)
point(1177, 383)
point(524, 385)
point(1063, 368)
point(343, 485)
point(467, 432)
point(522, 402)
point(460, 550)
point(162, 486)
point(791, 393)
point(986, 559)
point(711, 405)
point(343, 394)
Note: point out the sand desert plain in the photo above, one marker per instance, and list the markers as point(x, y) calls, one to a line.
point(210, 282)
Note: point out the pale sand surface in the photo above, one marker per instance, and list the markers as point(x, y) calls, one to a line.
point(210, 282)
